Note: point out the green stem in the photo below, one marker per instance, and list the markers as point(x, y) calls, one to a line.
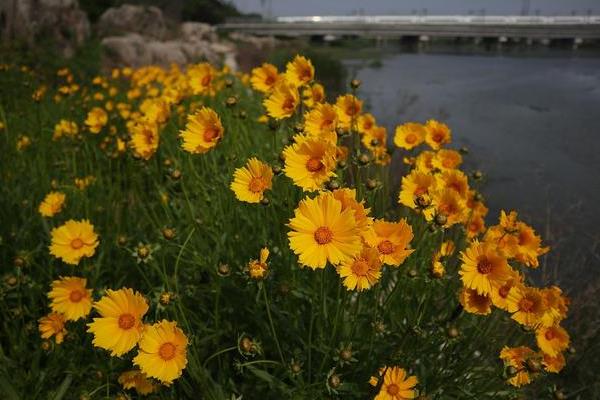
point(266, 298)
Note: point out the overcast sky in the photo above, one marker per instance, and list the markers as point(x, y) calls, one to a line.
point(396, 7)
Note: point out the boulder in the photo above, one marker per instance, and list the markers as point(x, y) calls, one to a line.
point(197, 31)
point(145, 20)
point(61, 21)
point(130, 50)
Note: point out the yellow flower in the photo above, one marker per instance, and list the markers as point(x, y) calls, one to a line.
point(201, 78)
point(120, 324)
point(144, 139)
point(447, 159)
point(250, 182)
point(455, 180)
point(322, 232)
point(437, 134)
point(449, 204)
point(162, 351)
point(313, 95)
point(299, 71)
point(397, 385)
point(258, 269)
point(375, 138)
point(483, 268)
point(414, 185)
point(52, 204)
point(424, 161)
point(529, 246)
point(155, 111)
point(391, 240)
point(475, 226)
point(53, 324)
point(552, 340)
point(361, 214)
point(526, 305)
point(70, 297)
point(556, 306)
point(74, 240)
point(517, 358)
point(23, 142)
point(96, 119)
point(82, 183)
point(348, 108)
point(282, 101)
point(65, 128)
point(409, 135)
point(264, 78)
point(553, 364)
point(361, 272)
point(135, 379)
point(321, 121)
point(365, 123)
point(310, 162)
point(202, 132)
point(500, 293)
point(474, 302)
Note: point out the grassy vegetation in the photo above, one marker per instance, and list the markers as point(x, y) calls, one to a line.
point(170, 227)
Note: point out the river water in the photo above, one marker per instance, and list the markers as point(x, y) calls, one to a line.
point(531, 120)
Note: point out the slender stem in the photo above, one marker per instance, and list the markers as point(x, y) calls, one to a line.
point(266, 298)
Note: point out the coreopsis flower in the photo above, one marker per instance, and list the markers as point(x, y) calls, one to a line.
point(321, 232)
point(455, 180)
point(375, 138)
point(448, 204)
point(144, 139)
point(526, 304)
point(96, 119)
point(73, 241)
point(483, 268)
point(556, 308)
point(52, 204)
point(517, 358)
point(553, 364)
point(299, 71)
point(414, 185)
point(475, 303)
point(155, 111)
point(258, 269)
point(409, 135)
point(361, 272)
point(365, 122)
point(475, 204)
point(321, 121)
point(361, 214)
point(313, 95)
point(264, 78)
point(23, 142)
point(201, 79)
point(119, 327)
point(65, 128)
point(282, 101)
point(424, 161)
point(251, 181)
point(474, 226)
point(397, 385)
point(500, 292)
point(202, 132)
point(310, 162)
point(162, 351)
point(348, 108)
point(552, 340)
point(82, 183)
point(447, 159)
point(529, 246)
point(391, 239)
point(70, 297)
point(437, 134)
point(53, 324)
point(135, 379)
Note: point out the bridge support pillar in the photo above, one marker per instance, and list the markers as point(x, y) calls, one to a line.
point(577, 42)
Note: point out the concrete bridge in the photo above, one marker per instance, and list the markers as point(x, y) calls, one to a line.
point(424, 27)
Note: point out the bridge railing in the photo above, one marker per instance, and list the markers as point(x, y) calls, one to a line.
point(446, 19)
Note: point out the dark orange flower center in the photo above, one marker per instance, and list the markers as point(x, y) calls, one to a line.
point(393, 389)
point(210, 134)
point(76, 295)
point(484, 266)
point(549, 334)
point(525, 304)
point(411, 138)
point(148, 136)
point(352, 109)
point(256, 185)
point(503, 291)
point(360, 267)
point(323, 235)
point(76, 243)
point(126, 321)
point(385, 247)
point(270, 80)
point(314, 164)
point(437, 137)
point(167, 351)
point(206, 80)
point(288, 104)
